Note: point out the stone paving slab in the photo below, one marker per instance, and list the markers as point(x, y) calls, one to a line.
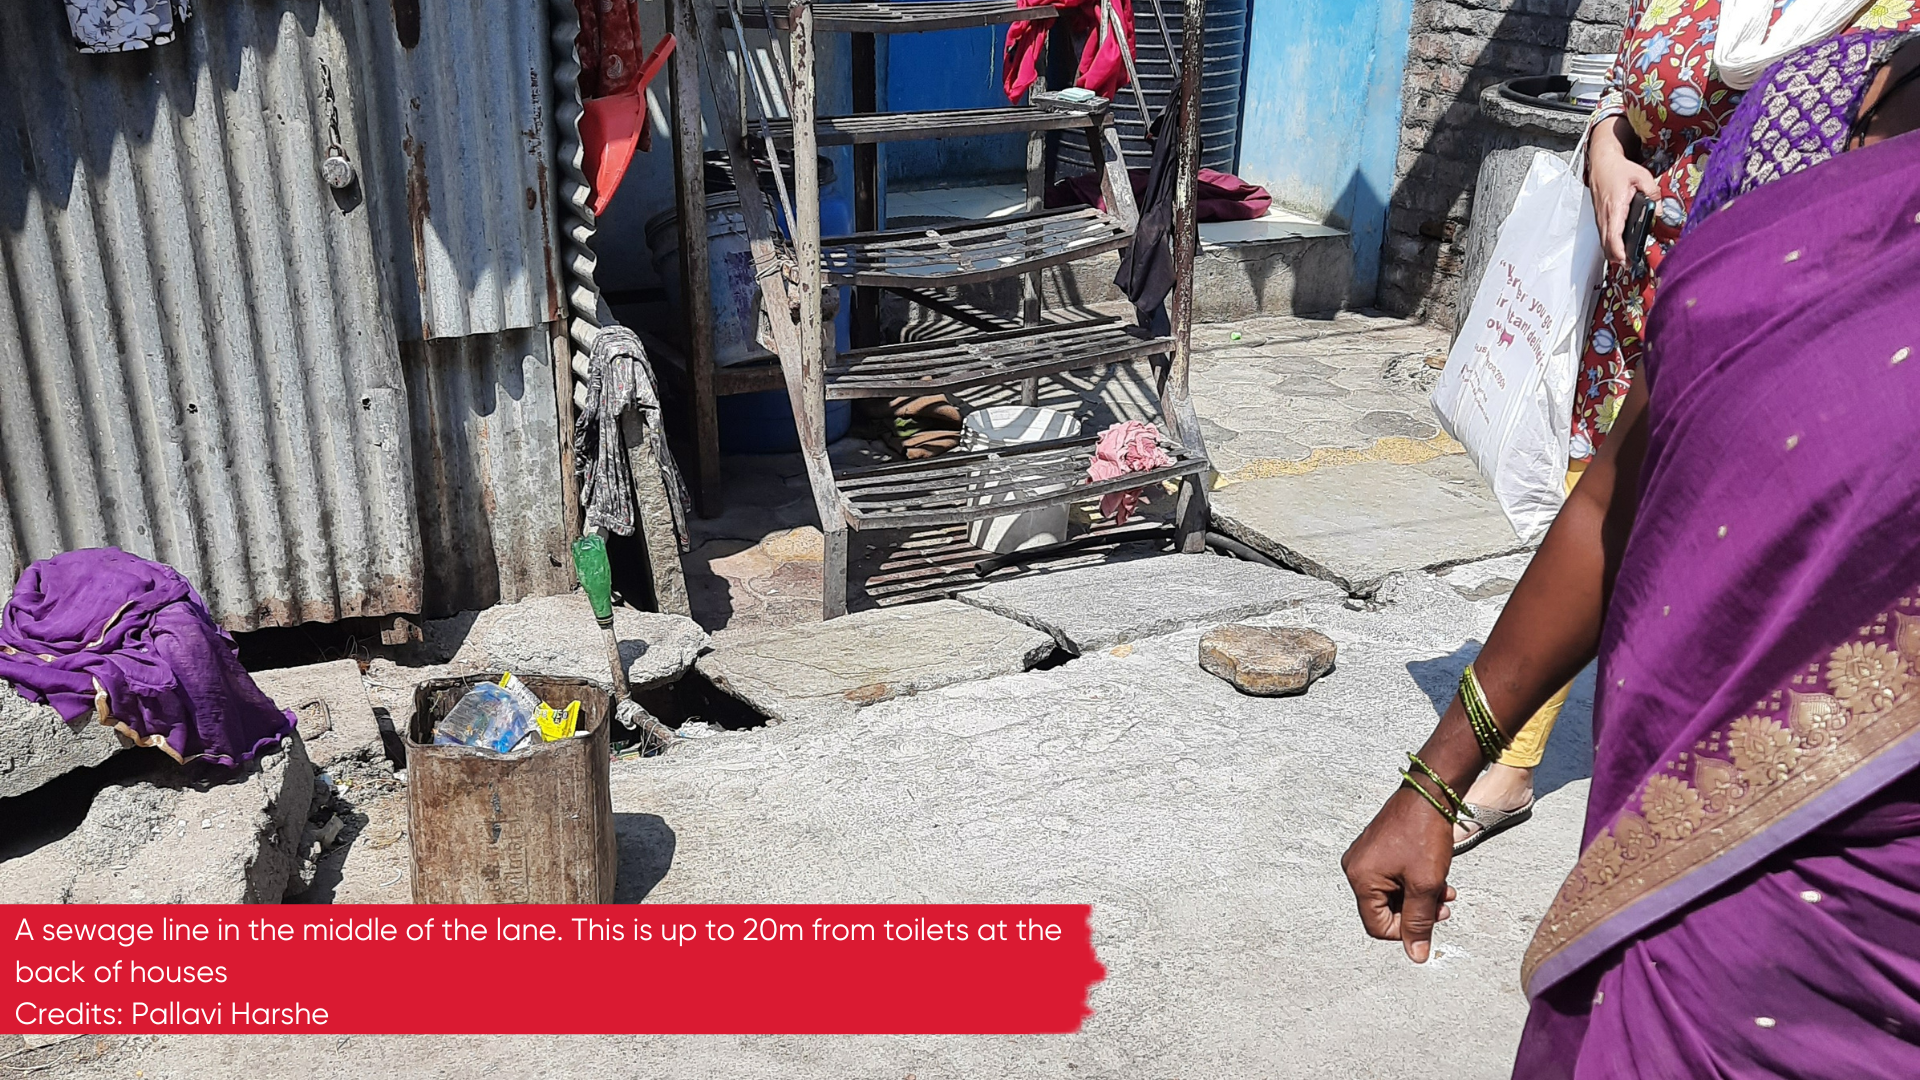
point(161, 838)
point(330, 704)
point(1286, 388)
point(1356, 524)
point(1098, 607)
point(36, 745)
point(1488, 577)
point(870, 656)
point(549, 635)
point(558, 635)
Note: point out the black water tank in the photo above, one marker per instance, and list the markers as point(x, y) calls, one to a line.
point(1220, 86)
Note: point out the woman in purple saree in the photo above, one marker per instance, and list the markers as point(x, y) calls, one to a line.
point(1747, 571)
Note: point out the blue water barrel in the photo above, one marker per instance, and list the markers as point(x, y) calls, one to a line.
point(762, 422)
point(1221, 80)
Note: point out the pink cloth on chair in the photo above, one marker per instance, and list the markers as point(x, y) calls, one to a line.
point(1127, 447)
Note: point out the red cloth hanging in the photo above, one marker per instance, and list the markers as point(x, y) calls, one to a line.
point(613, 83)
point(1102, 68)
point(1218, 196)
point(609, 46)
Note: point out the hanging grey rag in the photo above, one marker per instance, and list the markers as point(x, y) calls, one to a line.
point(110, 26)
point(621, 379)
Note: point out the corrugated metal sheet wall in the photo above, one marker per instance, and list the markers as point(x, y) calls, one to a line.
point(486, 437)
point(198, 356)
point(196, 362)
point(458, 106)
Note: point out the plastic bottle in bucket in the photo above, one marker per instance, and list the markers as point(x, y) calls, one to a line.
point(491, 716)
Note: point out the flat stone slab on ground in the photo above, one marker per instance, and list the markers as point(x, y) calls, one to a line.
point(1356, 524)
point(558, 635)
point(159, 839)
point(36, 745)
point(870, 656)
point(330, 703)
point(1267, 661)
point(1098, 607)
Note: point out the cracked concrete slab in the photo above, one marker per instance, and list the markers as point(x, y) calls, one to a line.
point(548, 635)
point(1356, 524)
point(558, 635)
point(1205, 827)
point(173, 835)
point(1098, 607)
point(870, 656)
point(36, 745)
point(1488, 577)
point(330, 705)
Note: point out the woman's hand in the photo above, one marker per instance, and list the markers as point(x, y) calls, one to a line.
point(1398, 871)
point(1614, 177)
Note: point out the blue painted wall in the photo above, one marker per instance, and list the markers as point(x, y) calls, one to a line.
point(951, 69)
point(1321, 121)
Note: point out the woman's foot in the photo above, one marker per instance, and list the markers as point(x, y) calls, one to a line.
point(1502, 789)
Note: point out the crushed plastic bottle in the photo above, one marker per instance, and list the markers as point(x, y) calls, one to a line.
point(492, 716)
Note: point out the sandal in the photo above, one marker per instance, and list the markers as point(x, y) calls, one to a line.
point(1490, 823)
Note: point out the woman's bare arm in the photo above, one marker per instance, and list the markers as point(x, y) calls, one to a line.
point(1546, 634)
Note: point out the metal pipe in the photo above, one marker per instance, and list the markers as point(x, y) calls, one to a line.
point(1126, 57)
point(1166, 38)
point(752, 183)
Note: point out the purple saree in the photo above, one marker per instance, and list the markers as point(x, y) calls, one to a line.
point(1747, 901)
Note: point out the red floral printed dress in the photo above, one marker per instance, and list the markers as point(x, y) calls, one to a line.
point(1661, 85)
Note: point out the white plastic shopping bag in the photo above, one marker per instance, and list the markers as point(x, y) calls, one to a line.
point(1507, 391)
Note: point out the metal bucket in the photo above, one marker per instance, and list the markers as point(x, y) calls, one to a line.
point(1016, 425)
point(534, 826)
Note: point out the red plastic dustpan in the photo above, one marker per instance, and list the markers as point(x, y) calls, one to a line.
point(610, 129)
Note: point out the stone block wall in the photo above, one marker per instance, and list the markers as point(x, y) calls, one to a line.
point(1456, 48)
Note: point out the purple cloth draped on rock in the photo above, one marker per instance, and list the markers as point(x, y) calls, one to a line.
point(103, 633)
point(1747, 900)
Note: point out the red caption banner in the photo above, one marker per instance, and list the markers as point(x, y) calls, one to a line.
point(549, 969)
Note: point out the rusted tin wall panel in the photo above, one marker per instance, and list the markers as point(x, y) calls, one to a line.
point(459, 98)
point(487, 469)
point(196, 360)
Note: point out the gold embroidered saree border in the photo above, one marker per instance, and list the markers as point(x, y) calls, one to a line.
point(1744, 777)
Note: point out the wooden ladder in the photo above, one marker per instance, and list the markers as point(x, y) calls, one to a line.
point(794, 274)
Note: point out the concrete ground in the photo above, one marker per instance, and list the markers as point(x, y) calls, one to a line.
point(1326, 453)
point(1205, 827)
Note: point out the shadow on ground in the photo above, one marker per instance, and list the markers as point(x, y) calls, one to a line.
point(1569, 749)
point(646, 854)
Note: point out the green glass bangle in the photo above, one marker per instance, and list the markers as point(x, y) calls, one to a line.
point(1489, 748)
point(1486, 731)
point(1489, 741)
point(1433, 801)
point(1459, 804)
